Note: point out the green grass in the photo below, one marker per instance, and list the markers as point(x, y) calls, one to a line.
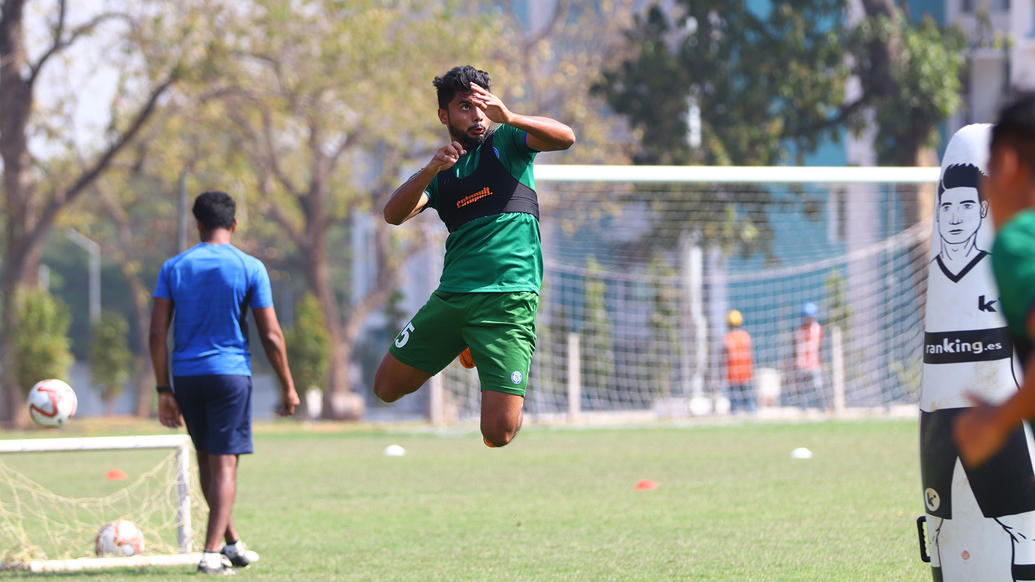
point(560, 504)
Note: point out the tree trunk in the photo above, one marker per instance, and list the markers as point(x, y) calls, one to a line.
point(143, 377)
point(340, 402)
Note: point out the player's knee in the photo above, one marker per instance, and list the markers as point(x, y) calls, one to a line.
point(383, 386)
point(497, 439)
point(382, 390)
point(498, 435)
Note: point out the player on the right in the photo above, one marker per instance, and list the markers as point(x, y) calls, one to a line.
point(1010, 189)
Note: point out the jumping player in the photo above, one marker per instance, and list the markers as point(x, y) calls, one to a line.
point(482, 187)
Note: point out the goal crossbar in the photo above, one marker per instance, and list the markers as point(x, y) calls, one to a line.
point(738, 174)
point(161, 441)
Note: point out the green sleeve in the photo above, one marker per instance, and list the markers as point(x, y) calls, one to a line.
point(1013, 262)
point(432, 192)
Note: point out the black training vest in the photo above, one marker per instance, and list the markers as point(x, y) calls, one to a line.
point(489, 190)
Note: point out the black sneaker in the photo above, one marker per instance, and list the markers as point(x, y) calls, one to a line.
point(239, 555)
point(222, 566)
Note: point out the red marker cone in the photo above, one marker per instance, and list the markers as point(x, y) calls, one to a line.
point(115, 475)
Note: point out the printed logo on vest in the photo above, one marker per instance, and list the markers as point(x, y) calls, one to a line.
point(472, 198)
point(978, 345)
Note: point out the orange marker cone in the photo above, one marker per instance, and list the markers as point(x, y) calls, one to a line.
point(115, 475)
point(646, 484)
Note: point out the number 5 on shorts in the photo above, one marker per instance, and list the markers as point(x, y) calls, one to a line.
point(404, 335)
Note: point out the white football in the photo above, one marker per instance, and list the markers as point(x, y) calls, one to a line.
point(119, 538)
point(52, 402)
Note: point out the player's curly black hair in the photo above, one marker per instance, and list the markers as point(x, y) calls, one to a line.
point(1015, 127)
point(458, 80)
point(214, 209)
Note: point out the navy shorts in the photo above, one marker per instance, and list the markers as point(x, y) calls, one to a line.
point(218, 412)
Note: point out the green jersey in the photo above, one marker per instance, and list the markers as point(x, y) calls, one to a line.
point(494, 250)
point(1013, 263)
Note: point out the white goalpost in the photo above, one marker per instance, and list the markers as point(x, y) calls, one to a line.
point(45, 531)
point(642, 264)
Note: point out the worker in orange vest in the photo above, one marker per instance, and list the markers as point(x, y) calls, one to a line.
point(808, 373)
point(737, 347)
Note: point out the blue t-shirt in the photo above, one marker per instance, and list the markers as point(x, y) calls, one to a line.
point(212, 287)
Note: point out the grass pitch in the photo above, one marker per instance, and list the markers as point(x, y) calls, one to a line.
point(560, 504)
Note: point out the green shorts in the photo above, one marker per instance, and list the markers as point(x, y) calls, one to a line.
point(498, 327)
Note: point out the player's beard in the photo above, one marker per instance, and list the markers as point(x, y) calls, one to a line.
point(467, 140)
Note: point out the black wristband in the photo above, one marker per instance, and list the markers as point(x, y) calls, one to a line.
point(163, 389)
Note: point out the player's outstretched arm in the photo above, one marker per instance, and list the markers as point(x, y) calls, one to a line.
point(409, 198)
point(273, 343)
point(982, 430)
point(544, 134)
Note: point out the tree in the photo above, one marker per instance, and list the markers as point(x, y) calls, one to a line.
point(110, 357)
point(766, 79)
point(150, 47)
point(598, 358)
point(133, 211)
point(550, 63)
point(41, 339)
point(308, 345)
point(771, 82)
point(329, 104)
point(664, 346)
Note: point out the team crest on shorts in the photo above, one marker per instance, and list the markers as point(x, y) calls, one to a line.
point(515, 377)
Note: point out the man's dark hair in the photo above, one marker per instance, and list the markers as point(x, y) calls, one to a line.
point(961, 176)
point(1015, 128)
point(214, 209)
point(458, 80)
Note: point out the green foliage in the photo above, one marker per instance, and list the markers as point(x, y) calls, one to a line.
point(41, 338)
point(758, 78)
point(926, 84)
point(665, 345)
point(838, 310)
point(771, 83)
point(308, 345)
point(764, 79)
point(598, 361)
point(110, 355)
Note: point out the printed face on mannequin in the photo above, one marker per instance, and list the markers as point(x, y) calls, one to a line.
point(959, 216)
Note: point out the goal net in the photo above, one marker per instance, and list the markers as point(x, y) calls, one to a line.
point(643, 264)
point(57, 493)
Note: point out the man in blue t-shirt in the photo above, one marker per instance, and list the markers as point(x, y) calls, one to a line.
point(206, 292)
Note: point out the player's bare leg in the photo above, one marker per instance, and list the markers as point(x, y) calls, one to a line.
point(501, 417)
point(218, 475)
point(395, 379)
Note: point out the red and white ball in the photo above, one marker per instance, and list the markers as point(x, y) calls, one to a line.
point(51, 403)
point(119, 538)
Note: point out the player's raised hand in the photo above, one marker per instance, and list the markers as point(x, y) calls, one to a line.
point(446, 156)
point(492, 105)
